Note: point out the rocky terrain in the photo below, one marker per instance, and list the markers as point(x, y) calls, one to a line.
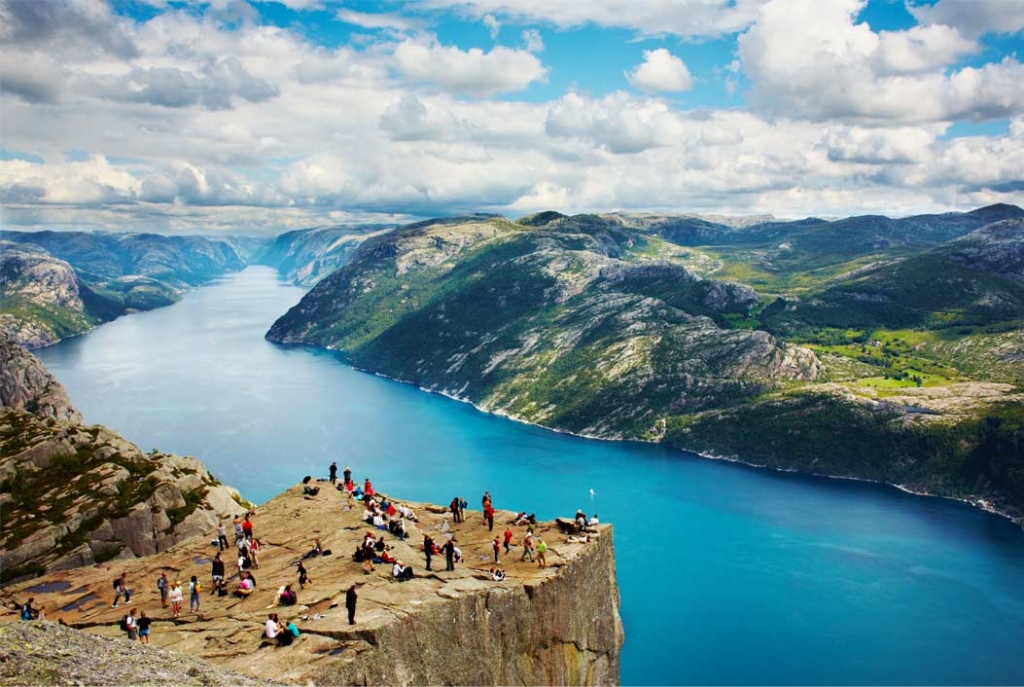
point(26, 384)
point(76, 495)
point(43, 653)
point(574, 323)
point(554, 625)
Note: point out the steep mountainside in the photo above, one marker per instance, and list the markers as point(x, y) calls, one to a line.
point(582, 324)
point(58, 284)
point(26, 384)
point(306, 256)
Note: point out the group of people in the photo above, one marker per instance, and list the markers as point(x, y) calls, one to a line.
point(281, 633)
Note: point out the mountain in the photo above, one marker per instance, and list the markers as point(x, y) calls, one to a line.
point(26, 384)
point(582, 324)
point(977, 279)
point(59, 284)
point(305, 256)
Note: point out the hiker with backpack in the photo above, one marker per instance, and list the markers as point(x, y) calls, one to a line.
point(130, 625)
point(27, 612)
point(193, 594)
point(121, 589)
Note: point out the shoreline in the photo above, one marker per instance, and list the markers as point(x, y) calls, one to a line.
point(974, 502)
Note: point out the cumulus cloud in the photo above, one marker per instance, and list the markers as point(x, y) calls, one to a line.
point(74, 30)
point(973, 18)
point(377, 20)
point(810, 59)
point(680, 17)
point(470, 71)
point(408, 119)
point(90, 182)
point(660, 71)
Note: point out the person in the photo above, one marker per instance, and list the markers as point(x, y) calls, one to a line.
point(455, 509)
point(527, 547)
point(401, 572)
point(593, 521)
point(449, 554)
point(315, 551)
point(131, 626)
point(333, 470)
point(508, 539)
point(303, 576)
point(144, 622)
point(217, 573)
point(287, 596)
point(428, 548)
point(222, 536)
point(247, 527)
point(350, 603)
point(497, 575)
point(246, 584)
point(239, 532)
point(27, 612)
point(270, 627)
point(176, 597)
point(193, 594)
point(581, 521)
point(121, 589)
point(162, 584)
point(292, 629)
point(347, 476)
point(367, 487)
point(541, 550)
point(284, 637)
point(496, 545)
point(489, 516)
point(254, 554)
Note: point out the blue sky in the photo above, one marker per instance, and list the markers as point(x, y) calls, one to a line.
point(268, 116)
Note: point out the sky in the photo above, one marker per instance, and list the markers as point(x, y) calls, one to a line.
point(260, 117)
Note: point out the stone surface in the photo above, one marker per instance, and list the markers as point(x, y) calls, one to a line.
point(554, 625)
point(25, 383)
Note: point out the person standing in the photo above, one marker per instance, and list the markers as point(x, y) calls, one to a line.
point(121, 589)
point(428, 548)
point(347, 475)
point(527, 547)
point(449, 554)
point(247, 528)
point(222, 536)
point(239, 532)
point(508, 539)
point(176, 598)
point(131, 625)
point(489, 516)
point(496, 545)
point(144, 622)
point(541, 550)
point(162, 583)
point(217, 573)
point(350, 603)
point(193, 594)
point(303, 576)
point(333, 471)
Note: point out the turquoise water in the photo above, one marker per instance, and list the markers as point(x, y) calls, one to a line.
point(728, 575)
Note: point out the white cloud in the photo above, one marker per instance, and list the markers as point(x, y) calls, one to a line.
point(377, 20)
point(532, 40)
point(680, 17)
point(493, 25)
point(809, 59)
point(972, 17)
point(468, 71)
point(90, 182)
point(660, 71)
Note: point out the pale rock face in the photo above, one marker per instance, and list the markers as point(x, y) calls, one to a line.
point(26, 384)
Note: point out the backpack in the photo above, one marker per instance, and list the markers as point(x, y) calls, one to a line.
point(199, 587)
point(117, 582)
point(124, 623)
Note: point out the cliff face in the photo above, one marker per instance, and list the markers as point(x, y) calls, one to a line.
point(557, 625)
point(26, 384)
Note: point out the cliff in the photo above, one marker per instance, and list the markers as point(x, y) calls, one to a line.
point(554, 625)
point(26, 384)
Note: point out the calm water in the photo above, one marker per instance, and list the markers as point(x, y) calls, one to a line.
point(728, 575)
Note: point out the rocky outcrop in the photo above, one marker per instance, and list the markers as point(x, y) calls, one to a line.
point(42, 653)
point(306, 256)
point(76, 495)
point(40, 298)
point(552, 625)
point(26, 384)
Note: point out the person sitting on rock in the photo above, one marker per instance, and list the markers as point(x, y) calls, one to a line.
point(270, 627)
point(593, 521)
point(286, 596)
point(27, 612)
point(497, 575)
point(315, 551)
point(407, 513)
point(246, 585)
point(401, 572)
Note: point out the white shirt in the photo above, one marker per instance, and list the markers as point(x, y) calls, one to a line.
point(271, 629)
point(592, 521)
point(396, 570)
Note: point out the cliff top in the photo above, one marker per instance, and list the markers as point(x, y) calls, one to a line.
point(226, 630)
